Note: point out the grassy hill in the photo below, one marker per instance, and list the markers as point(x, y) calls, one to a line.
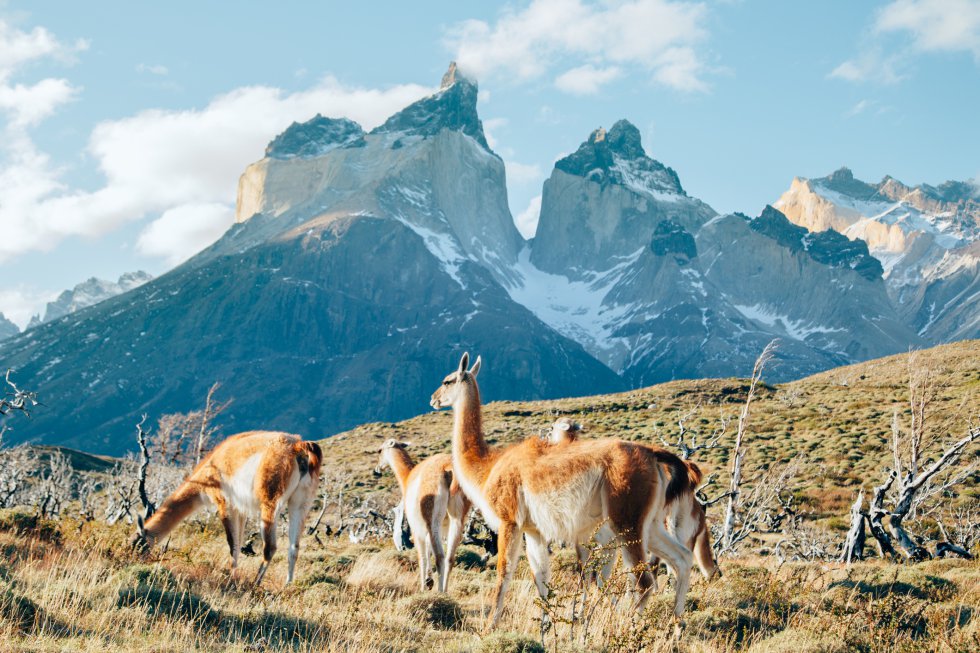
point(840, 420)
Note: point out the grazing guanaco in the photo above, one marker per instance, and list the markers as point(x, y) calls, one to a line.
point(428, 495)
point(685, 516)
point(257, 473)
point(550, 493)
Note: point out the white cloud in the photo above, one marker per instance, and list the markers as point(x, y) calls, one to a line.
point(490, 127)
point(527, 220)
point(586, 80)
point(523, 173)
point(657, 36)
point(21, 303)
point(935, 25)
point(929, 26)
point(18, 48)
point(181, 232)
point(871, 65)
point(158, 161)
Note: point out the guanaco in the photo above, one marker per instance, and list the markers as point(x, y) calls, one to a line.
point(428, 496)
point(550, 493)
point(257, 473)
point(685, 516)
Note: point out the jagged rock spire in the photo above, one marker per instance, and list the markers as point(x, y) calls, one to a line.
point(453, 107)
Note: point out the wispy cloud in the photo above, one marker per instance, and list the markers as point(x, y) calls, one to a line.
point(583, 43)
point(153, 69)
point(587, 79)
point(923, 26)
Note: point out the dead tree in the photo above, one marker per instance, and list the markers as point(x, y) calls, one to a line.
point(15, 399)
point(207, 429)
point(16, 466)
point(854, 544)
point(688, 440)
point(962, 534)
point(120, 492)
point(925, 470)
point(148, 507)
point(55, 487)
point(736, 505)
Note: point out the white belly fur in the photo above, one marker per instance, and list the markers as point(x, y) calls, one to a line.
point(239, 488)
point(566, 512)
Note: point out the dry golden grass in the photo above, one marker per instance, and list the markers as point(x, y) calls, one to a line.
point(89, 592)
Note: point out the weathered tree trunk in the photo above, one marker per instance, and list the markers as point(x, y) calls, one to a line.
point(148, 507)
point(875, 513)
point(854, 545)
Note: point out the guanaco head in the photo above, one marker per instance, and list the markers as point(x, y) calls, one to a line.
point(386, 449)
point(564, 430)
point(451, 388)
point(140, 541)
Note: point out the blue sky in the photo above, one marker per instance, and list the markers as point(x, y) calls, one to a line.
point(125, 127)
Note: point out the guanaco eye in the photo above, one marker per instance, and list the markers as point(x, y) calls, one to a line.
point(447, 382)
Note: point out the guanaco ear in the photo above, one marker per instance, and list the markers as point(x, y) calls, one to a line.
point(403, 445)
point(476, 367)
point(464, 362)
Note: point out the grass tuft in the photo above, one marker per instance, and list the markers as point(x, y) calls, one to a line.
point(510, 643)
point(437, 610)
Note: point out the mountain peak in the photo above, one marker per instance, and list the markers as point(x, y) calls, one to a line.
point(453, 107)
point(618, 157)
point(827, 247)
point(842, 181)
point(7, 328)
point(453, 75)
point(315, 137)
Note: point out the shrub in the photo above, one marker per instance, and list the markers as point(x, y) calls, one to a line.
point(509, 643)
point(438, 610)
point(26, 524)
point(469, 559)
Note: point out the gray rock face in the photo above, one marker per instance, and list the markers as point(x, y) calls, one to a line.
point(452, 108)
point(7, 328)
point(604, 202)
point(315, 137)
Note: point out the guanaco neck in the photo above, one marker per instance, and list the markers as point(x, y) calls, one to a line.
point(402, 464)
point(470, 447)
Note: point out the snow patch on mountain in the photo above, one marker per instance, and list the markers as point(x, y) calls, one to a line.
point(576, 309)
point(770, 317)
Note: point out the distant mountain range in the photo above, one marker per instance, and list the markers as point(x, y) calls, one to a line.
point(362, 263)
point(88, 293)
